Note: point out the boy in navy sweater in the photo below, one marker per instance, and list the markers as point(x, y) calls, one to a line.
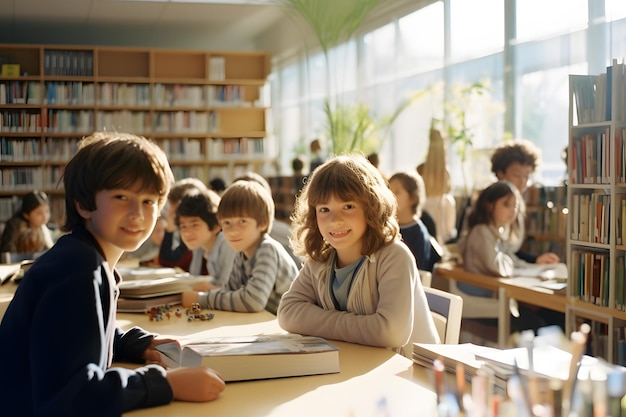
point(59, 334)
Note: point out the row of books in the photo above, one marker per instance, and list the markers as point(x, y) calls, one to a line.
point(546, 196)
point(590, 217)
point(593, 95)
point(546, 221)
point(590, 158)
point(68, 62)
point(590, 278)
point(70, 93)
point(51, 120)
point(205, 173)
point(29, 178)
point(70, 121)
point(177, 95)
point(185, 149)
point(181, 149)
point(9, 205)
point(183, 121)
point(37, 150)
point(19, 92)
point(123, 94)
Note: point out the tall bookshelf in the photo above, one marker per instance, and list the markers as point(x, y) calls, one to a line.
point(206, 109)
point(596, 245)
point(546, 219)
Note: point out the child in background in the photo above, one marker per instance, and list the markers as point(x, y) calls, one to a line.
point(484, 250)
point(359, 282)
point(31, 219)
point(173, 252)
point(439, 203)
point(280, 229)
point(60, 364)
point(515, 161)
point(263, 270)
point(408, 188)
point(218, 185)
point(148, 253)
point(196, 218)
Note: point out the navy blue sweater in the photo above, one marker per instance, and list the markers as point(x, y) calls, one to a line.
point(58, 339)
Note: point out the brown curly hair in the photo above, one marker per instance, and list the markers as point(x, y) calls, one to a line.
point(519, 150)
point(348, 177)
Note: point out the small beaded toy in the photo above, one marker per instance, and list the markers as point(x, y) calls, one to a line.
point(193, 313)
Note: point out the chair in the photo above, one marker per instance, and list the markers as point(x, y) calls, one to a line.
point(447, 310)
point(426, 277)
point(476, 307)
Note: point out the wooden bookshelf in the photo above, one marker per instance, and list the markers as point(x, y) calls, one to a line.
point(206, 109)
point(596, 188)
point(546, 219)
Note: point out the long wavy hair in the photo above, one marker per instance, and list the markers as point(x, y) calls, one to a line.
point(349, 177)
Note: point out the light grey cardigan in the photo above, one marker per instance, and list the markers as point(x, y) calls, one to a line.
point(385, 301)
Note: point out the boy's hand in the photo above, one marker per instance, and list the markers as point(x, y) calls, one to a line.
point(189, 297)
point(195, 384)
point(151, 355)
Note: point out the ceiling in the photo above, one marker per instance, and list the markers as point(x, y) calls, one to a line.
point(244, 19)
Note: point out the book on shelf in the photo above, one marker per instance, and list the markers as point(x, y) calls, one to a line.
point(242, 358)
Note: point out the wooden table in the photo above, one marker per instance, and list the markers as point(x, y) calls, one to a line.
point(372, 382)
point(8, 289)
point(524, 289)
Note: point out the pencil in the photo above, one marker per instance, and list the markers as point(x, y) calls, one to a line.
point(579, 342)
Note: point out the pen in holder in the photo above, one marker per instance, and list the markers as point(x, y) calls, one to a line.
point(578, 342)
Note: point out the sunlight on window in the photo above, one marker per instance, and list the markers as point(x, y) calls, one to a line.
point(539, 19)
point(477, 28)
point(615, 9)
point(422, 40)
point(379, 52)
point(315, 73)
point(343, 67)
point(289, 90)
point(545, 108)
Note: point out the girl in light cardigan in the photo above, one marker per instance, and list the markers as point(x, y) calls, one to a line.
point(359, 282)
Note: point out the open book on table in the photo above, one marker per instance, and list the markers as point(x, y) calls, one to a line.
point(242, 358)
point(556, 271)
point(148, 272)
point(156, 287)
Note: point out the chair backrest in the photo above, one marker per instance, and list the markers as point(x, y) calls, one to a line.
point(475, 307)
point(426, 277)
point(447, 310)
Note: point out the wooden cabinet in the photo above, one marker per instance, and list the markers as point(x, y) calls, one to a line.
point(596, 192)
point(206, 109)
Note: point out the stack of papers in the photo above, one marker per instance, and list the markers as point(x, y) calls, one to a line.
point(556, 271)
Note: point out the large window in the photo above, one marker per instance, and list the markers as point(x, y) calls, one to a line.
point(525, 68)
point(477, 28)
